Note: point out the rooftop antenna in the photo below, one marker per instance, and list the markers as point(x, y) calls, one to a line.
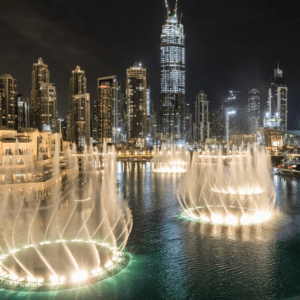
point(278, 65)
point(167, 7)
point(175, 11)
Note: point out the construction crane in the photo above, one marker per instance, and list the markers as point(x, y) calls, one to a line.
point(175, 10)
point(167, 7)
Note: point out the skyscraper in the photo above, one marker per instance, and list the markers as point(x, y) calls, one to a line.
point(136, 106)
point(43, 98)
point(9, 104)
point(234, 113)
point(253, 111)
point(172, 76)
point(201, 125)
point(23, 111)
point(79, 109)
point(276, 115)
point(108, 108)
point(279, 94)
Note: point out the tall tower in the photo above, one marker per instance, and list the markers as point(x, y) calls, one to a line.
point(136, 102)
point(8, 104)
point(253, 111)
point(79, 109)
point(172, 78)
point(279, 96)
point(108, 108)
point(201, 129)
point(43, 98)
point(276, 114)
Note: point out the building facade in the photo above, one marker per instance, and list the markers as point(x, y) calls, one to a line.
point(276, 114)
point(172, 76)
point(9, 103)
point(79, 109)
point(109, 109)
point(201, 125)
point(43, 98)
point(32, 165)
point(235, 112)
point(253, 111)
point(23, 111)
point(136, 103)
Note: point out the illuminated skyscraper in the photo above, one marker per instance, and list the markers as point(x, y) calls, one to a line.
point(201, 126)
point(79, 109)
point(276, 115)
point(8, 101)
point(172, 53)
point(108, 108)
point(253, 111)
point(43, 98)
point(136, 102)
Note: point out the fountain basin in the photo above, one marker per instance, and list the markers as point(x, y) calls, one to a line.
point(60, 264)
point(226, 215)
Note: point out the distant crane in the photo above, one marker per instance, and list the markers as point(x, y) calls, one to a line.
point(168, 9)
point(175, 10)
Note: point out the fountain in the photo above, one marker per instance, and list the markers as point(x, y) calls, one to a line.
point(78, 238)
point(239, 192)
point(171, 159)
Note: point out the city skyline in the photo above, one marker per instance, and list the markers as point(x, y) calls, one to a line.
point(215, 71)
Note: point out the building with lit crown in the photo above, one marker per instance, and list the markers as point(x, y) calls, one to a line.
point(276, 115)
point(43, 98)
point(79, 109)
point(172, 77)
point(136, 103)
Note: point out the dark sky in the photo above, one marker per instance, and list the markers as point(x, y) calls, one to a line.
point(229, 44)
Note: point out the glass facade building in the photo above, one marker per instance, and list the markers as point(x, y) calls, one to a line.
point(253, 111)
point(173, 80)
point(43, 109)
point(79, 109)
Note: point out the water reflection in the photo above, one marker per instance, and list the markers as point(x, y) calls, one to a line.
point(176, 259)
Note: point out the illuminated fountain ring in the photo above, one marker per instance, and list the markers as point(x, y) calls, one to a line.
point(230, 215)
point(59, 279)
point(232, 208)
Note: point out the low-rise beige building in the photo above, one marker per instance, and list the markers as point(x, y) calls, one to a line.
point(31, 165)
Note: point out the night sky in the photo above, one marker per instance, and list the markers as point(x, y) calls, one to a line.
point(230, 45)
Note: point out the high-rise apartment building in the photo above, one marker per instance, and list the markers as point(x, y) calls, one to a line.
point(109, 109)
point(234, 114)
point(9, 104)
point(253, 111)
point(276, 115)
point(43, 98)
point(136, 102)
point(95, 123)
point(279, 94)
point(23, 111)
point(201, 125)
point(172, 76)
point(79, 109)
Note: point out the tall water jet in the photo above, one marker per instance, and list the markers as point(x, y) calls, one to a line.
point(78, 239)
point(170, 159)
point(237, 192)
